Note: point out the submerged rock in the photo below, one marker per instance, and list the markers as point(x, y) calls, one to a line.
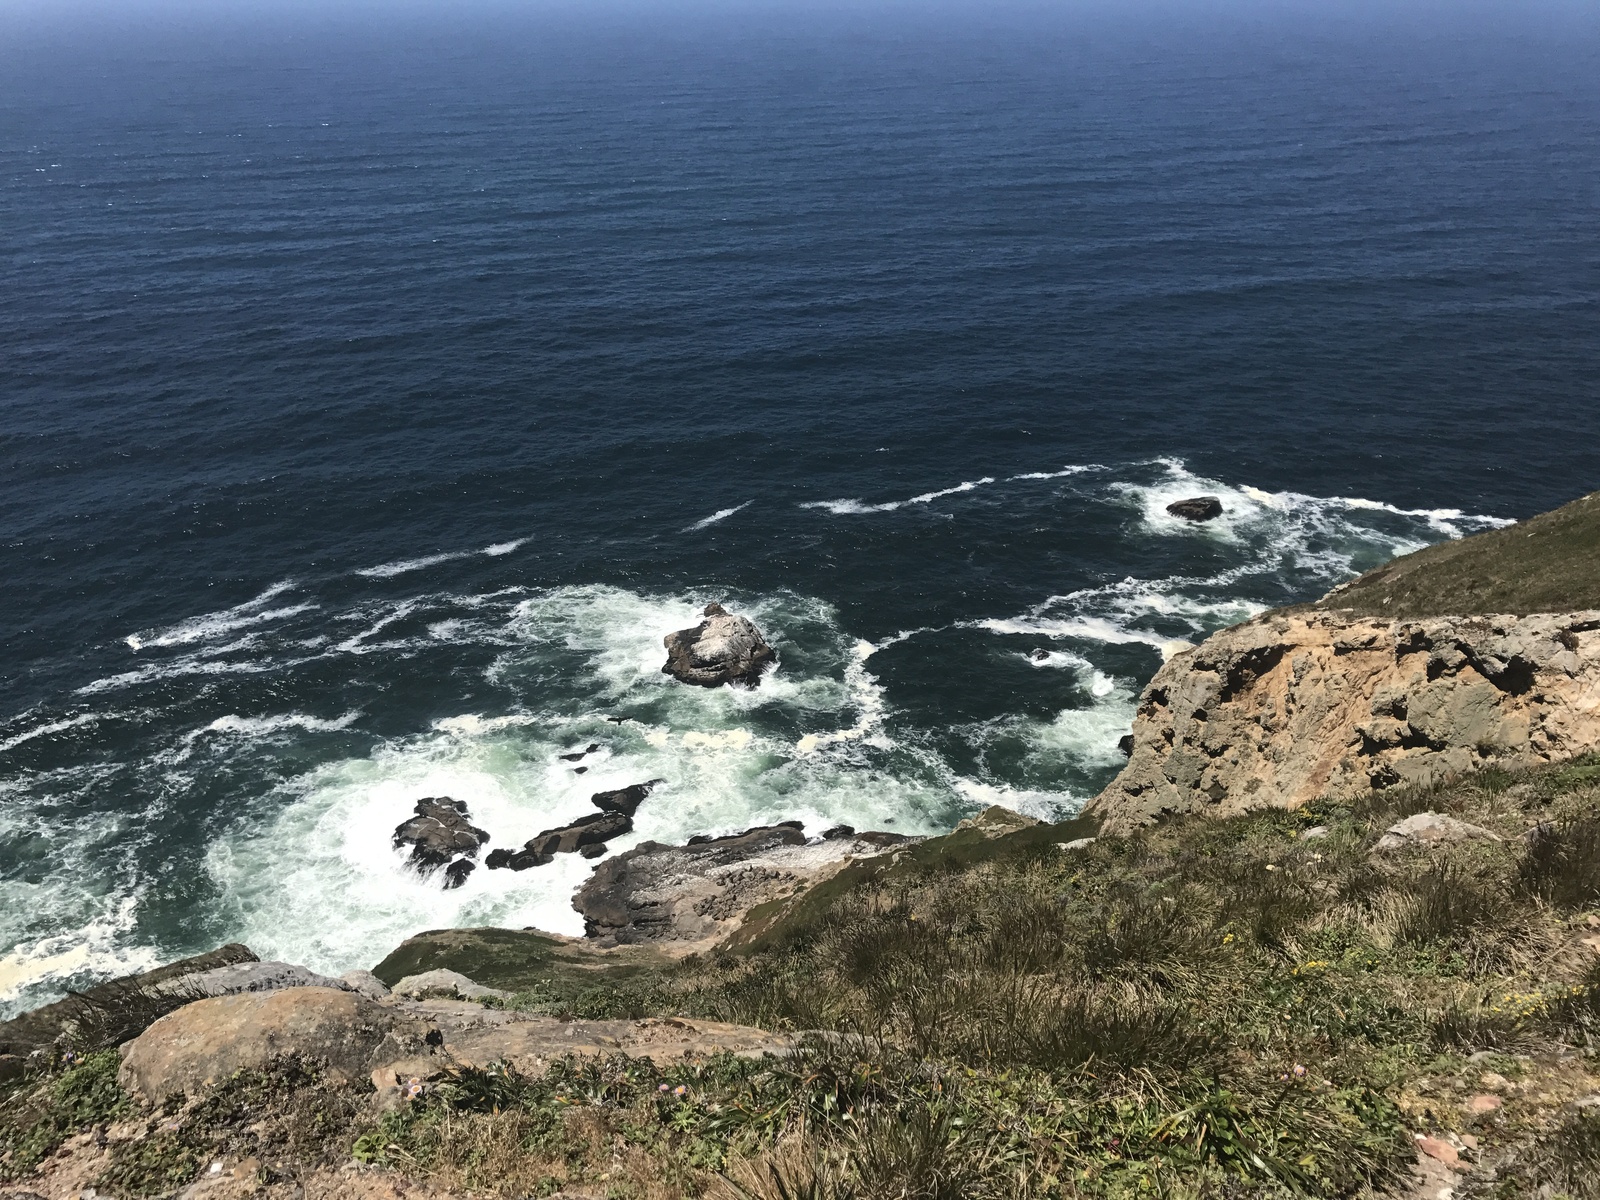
point(584, 833)
point(440, 835)
point(1196, 508)
point(721, 649)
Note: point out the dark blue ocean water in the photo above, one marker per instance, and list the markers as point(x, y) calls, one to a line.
point(376, 389)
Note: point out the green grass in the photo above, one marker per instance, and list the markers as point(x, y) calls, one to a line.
point(80, 1094)
point(1549, 563)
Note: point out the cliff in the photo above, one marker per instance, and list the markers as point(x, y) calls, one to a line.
point(1485, 650)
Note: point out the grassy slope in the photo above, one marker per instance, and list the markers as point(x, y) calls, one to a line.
point(1549, 563)
point(1206, 1008)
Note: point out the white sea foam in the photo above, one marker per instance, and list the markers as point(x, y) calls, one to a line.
point(722, 514)
point(405, 566)
point(1064, 473)
point(46, 730)
point(210, 626)
point(94, 949)
point(502, 548)
point(855, 507)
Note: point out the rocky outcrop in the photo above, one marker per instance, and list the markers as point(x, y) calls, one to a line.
point(689, 896)
point(1297, 705)
point(586, 836)
point(721, 649)
point(352, 1039)
point(1196, 508)
point(471, 1035)
point(441, 982)
point(624, 800)
point(440, 835)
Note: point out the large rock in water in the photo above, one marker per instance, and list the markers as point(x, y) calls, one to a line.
point(721, 649)
point(1196, 508)
point(440, 835)
point(587, 836)
point(1293, 706)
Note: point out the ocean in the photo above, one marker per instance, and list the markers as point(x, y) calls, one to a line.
point(379, 386)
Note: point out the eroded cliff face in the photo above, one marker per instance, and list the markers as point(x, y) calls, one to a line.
point(1293, 706)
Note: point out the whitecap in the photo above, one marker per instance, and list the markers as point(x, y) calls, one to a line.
point(52, 727)
point(722, 514)
point(209, 626)
point(503, 548)
point(406, 565)
point(855, 507)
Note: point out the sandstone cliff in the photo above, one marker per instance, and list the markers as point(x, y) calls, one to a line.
point(1485, 649)
point(1294, 706)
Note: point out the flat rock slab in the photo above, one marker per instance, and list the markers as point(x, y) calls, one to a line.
point(693, 894)
point(204, 1043)
point(475, 1036)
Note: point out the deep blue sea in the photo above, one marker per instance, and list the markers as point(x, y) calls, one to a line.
point(379, 385)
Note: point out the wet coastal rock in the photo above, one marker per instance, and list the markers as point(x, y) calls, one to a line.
point(586, 836)
point(441, 835)
point(1197, 508)
point(723, 648)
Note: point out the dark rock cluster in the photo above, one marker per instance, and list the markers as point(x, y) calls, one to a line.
point(440, 835)
point(586, 836)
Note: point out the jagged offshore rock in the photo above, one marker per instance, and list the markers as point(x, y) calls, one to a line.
point(1196, 508)
point(587, 836)
point(624, 800)
point(440, 835)
point(723, 648)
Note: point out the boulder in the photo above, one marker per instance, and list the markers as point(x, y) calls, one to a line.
point(366, 983)
point(624, 800)
point(1431, 829)
point(580, 755)
point(593, 830)
point(1196, 508)
point(204, 1043)
point(723, 648)
point(444, 983)
point(440, 835)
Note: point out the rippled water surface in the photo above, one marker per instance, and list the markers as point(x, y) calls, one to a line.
point(376, 393)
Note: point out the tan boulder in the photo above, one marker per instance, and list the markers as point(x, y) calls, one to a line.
point(204, 1043)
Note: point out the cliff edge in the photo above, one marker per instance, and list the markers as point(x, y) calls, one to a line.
point(1477, 651)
